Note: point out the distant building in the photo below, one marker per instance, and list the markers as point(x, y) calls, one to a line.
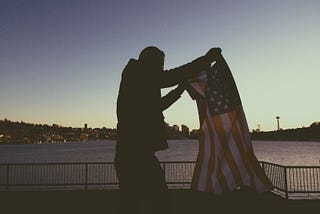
point(85, 126)
point(185, 130)
point(175, 128)
point(194, 134)
point(278, 123)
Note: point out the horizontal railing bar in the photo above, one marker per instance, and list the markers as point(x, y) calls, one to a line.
point(81, 163)
point(278, 188)
point(57, 163)
point(60, 184)
point(297, 191)
point(289, 166)
point(303, 167)
point(273, 164)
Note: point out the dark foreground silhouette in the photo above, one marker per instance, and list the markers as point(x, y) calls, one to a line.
point(183, 202)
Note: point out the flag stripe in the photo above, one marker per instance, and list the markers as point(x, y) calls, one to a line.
point(258, 171)
point(221, 165)
point(222, 179)
point(230, 124)
point(199, 162)
point(225, 148)
point(209, 186)
point(244, 128)
point(206, 157)
point(252, 159)
point(205, 166)
point(245, 162)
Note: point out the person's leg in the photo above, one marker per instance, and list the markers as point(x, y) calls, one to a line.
point(129, 200)
point(156, 199)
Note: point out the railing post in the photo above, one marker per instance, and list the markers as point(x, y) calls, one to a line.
point(262, 166)
point(285, 182)
point(86, 177)
point(164, 171)
point(7, 178)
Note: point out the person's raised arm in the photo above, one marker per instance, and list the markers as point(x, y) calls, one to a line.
point(177, 75)
point(167, 100)
point(221, 62)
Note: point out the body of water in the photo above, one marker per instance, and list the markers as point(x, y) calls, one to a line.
point(293, 153)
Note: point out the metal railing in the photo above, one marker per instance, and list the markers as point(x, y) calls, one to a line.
point(80, 175)
point(294, 181)
point(287, 180)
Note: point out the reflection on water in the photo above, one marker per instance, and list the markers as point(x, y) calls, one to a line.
point(280, 152)
point(288, 152)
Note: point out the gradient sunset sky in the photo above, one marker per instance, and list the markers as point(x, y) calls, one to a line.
point(61, 60)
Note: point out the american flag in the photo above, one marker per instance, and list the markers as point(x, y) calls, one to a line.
point(226, 158)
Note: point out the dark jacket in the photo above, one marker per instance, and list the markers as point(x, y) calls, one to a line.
point(140, 105)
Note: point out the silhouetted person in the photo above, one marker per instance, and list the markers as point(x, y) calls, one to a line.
point(141, 127)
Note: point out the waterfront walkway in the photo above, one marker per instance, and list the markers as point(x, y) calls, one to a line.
point(183, 202)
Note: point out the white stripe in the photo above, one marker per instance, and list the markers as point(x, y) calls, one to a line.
point(225, 167)
point(246, 144)
point(234, 149)
point(214, 177)
point(202, 77)
point(260, 186)
point(249, 148)
point(247, 138)
point(197, 88)
point(219, 154)
point(201, 186)
point(202, 177)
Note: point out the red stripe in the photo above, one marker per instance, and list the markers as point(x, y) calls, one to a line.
point(259, 171)
point(240, 144)
point(222, 179)
point(197, 170)
point(252, 158)
point(209, 186)
point(201, 109)
point(243, 125)
point(223, 139)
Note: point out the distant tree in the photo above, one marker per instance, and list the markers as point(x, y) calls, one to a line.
point(315, 124)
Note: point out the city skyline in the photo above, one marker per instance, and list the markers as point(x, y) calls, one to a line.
point(61, 61)
point(84, 126)
point(22, 132)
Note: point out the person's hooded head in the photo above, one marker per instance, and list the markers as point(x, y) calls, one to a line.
point(152, 57)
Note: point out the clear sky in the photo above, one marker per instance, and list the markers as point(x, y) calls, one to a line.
point(61, 60)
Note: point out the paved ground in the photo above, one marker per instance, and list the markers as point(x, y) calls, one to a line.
point(184, 202)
